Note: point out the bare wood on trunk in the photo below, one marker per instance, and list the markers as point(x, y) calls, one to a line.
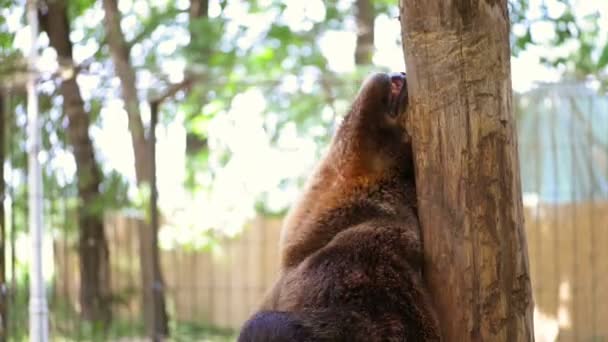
point(467, 169)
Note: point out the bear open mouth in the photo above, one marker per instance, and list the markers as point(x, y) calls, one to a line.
point(398, 92)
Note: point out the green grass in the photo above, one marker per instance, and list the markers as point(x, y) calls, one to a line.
point(190, 331)
point(66, 325)
point(123, 331)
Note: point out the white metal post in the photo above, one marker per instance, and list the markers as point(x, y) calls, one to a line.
point(38, 304)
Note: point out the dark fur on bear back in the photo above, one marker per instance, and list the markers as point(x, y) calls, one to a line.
point(351, 252)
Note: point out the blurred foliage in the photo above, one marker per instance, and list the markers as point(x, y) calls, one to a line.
point(12, 64)
point(572, 42)
point(226, 55)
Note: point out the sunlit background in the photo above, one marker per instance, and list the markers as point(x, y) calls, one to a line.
point(272, 80)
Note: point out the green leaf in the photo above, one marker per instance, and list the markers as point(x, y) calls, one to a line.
point(603, 59)
point(280, 32)
point(77, 7)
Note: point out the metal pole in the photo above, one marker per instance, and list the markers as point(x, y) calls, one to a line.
point(38, 305)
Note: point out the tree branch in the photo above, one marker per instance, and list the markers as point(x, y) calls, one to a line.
point(156, 17)
point(172, 89)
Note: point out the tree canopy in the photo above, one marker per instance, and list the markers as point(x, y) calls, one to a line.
point(270, 71)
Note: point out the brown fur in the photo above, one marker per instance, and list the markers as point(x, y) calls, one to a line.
point(351, 255)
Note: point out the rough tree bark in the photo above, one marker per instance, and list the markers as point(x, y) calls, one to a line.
point(156, 318)
point(364, 48)
point(467, 169)
point(93, 245)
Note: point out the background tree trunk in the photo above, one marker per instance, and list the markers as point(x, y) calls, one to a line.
point(155, 313)
point(3, 285)
point(199, 9)
point(93, 246)
point(120, 53)
point(467, 169)
point(364, 49)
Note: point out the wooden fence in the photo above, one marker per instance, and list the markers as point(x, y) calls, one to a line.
point(569, 265)
point(567, 249)
point(219, 288)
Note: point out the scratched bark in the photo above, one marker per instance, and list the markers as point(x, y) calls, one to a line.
point(467, 169)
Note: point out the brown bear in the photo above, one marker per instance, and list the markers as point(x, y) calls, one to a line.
point(351, 256)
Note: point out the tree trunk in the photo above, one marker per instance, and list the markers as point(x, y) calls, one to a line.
point(467, 169)
point(120, 52)
point(3, 285)
point(364, 49)
point(151, 236)
point(93, 246)
point(155, 313)
point(198, 9)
